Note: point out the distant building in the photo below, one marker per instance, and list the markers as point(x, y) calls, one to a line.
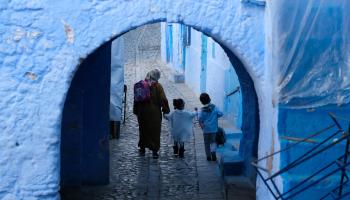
point(204, 67)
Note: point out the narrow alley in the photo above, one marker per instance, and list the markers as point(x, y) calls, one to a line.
point(134, 176)
point(137, 177)
point(276, 73)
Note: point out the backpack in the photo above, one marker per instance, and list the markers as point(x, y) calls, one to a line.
point(142, 91)
point(220, 136)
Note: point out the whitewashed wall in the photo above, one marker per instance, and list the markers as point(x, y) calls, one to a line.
point(193, 62)
point(43, 42)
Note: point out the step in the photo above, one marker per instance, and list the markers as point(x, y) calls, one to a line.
point(233, 136)
point(241, 181)
point(239, 187)
point(233, 140)
point(231, 163)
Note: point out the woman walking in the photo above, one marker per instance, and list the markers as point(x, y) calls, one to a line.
point(149, 112)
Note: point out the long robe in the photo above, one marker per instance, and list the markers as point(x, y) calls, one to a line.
point(149, 116)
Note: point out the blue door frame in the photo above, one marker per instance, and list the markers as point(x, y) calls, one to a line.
point(169, 43)
point(232, 103)
point(183, 46)
point(204, 53)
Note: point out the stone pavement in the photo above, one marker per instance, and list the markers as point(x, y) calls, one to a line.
point(136, 177)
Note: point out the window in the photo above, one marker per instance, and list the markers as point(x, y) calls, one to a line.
point(187, 36)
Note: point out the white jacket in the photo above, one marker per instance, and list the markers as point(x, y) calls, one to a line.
point(181, 124)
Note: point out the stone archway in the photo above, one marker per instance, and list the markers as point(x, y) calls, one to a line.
point(89, 90)
point(63, 34)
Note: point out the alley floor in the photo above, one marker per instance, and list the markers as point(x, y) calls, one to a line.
point(133, 176)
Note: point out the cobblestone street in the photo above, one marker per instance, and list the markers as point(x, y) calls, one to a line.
point(136, 177)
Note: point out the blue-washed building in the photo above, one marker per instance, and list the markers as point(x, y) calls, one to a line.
point(203, 65)
point(291, 59)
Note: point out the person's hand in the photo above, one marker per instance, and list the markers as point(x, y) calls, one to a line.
point(201, 125)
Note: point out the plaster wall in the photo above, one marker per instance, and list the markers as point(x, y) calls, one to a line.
point(193, 62)
point(176, 62)
point(221, 80)
point(42, 43)
point(216, 74)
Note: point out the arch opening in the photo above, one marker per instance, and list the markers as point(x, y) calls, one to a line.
point(79, 115)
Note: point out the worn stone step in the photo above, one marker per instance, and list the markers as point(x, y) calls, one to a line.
point(232, 134)
point(231, 163)
point(239, 187)
point(233, 140)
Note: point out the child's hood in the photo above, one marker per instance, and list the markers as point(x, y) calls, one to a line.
point(208, 108)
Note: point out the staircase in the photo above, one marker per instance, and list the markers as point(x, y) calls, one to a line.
point(231, 165)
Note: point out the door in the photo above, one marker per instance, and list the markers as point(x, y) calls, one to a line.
point(203, 74)
point(71, 134)
point(183, 46)
point(85, 122)
point(169, 43)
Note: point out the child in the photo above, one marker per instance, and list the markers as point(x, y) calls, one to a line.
point(181, 123)
point(208, 120)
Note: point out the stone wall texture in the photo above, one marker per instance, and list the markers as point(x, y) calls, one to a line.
point(43, 42)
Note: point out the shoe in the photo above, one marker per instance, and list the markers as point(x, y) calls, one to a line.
point(181, 152)
point(176, 150)
point(213, 156)
point(155, 155)
point(208, 158)
point(142, 151)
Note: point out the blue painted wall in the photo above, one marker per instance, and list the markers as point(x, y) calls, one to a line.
point(300, 123)
point(232, 103)
point(311, 58)
point(250, 116)
point(206, 67)
point(204, 58)
point(40, 54)
point(85, 122)
point(222, 69)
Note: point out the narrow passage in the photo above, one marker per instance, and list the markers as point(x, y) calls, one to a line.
point(137, 177)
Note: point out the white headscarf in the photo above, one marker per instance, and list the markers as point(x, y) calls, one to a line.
point(153, 75)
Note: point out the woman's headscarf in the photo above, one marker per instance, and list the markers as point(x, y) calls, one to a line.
point(153, 75)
